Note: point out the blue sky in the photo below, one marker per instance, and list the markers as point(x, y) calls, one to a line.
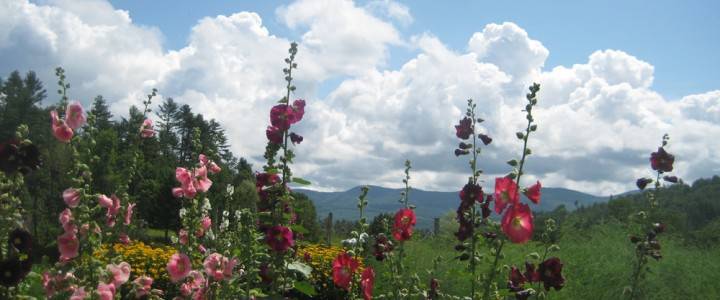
point(680, 38)
point(386, 80)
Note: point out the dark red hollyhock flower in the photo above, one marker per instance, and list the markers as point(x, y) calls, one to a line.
point(469, 194)
point(298, 110)
point(281, 116)
point(265, 179)
point(533, 192)
point(661, 160)
point(295, 138)
point(672, 179)
point(367, 281)
point(485, 206)
point(459, 152)
point(265, 274)
point(643, 182)
point(531, 274)
point(465, 228)
point(434, 287)
point(505, 193)
point(11, 272)
point(464, 129)
point(279, 238)
point(551, 273)
point(516, 280)
point(21, 240)
point(464, 146)
point(517, 223)
point(382, 246)
point(404, 224)
point(274, 135)
point(344, 267)
point(485, 139)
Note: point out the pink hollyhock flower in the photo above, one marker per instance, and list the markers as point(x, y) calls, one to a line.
point(202, 182)
point(106, 291)
point(71, 197)
point(404, 224)
point(464, 129)
point(129, 213)
point(274, 135)
point(197, 280)
point(68, 245)
point(110, 221)
point(185, 289)
point(178, 267)
point(75, 115)
point(183, 236)
point(202, 249)
point(186, 189)
point(84, 229)
point(517, 223)
point(146, 129)
point(114, 209)
point(229, 266)
point(214, 168)
point(143, 286)
point(124, 239)
point(105, 201)
point(367, 280)
point(48, 284)
point(79, 294)
point(215, 266)
point(120, 273)
point(505, 193)
point(533, 192)
point(61, 131)
point(344, 267)
point(279, 238)
point(206, 222)
point(66, 218)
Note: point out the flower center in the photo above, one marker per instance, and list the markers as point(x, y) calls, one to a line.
point(405, 220)
point(517, 222)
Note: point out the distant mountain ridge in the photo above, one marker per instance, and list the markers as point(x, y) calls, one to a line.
point(429, 204)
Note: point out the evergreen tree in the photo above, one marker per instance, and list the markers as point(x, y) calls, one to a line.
point(101, 111)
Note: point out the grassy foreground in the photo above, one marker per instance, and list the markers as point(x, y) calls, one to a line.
point(598, 265)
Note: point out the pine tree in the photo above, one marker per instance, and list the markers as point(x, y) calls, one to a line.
point(101, 111)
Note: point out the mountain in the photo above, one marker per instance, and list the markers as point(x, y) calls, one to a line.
point(429, 204)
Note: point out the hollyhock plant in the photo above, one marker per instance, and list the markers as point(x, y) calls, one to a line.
point(517, 223)
point(178, 267)
point(344, 268)
point(404, 223)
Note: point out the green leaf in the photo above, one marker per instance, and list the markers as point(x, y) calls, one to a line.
point(299, 229)
point(305, 288)
point(300, 268)
point(301, 181)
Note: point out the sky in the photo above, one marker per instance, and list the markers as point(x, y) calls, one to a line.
point(386, 80)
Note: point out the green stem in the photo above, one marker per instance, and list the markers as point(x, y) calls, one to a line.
point(493, 271)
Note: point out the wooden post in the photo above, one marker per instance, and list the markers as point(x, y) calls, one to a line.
point(329, 228)
point(436, 227)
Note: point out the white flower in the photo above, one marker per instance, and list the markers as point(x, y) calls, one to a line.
point(363, 237)
point(183, 212)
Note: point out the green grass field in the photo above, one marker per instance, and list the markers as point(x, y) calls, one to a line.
point(598, 264)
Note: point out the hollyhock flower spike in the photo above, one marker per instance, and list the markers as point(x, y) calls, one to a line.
point(505, 193)
point(517, 223)
point(75, 115)
point(60, 129)
point(344, 266)
point(533, 192)
point(178, 267)
point(367, 280)
point(404, 223)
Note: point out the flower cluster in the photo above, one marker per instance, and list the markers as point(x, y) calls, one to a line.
point(75, 118)
point(195, 180)
point(549, 272)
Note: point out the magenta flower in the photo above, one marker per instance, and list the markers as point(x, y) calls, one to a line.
point(533, 192)
point(206, 222)
point(464, 129)
point(298, 110)
point(279, 238)
point(146, 129)
point(183, 236)
point(218, 266)
point(344, 266)
point(60, 129)
point(274, 135)
point(106, 291)
point(120, 273)
point(68, 245)
point(404, 223)
point(75, 115)
point(105, 201)
point(367, 280)
point(71, 197)
point(295, 138)
point(124, 239)
point(129, 213)
point(178, 267)
point(281, 116)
